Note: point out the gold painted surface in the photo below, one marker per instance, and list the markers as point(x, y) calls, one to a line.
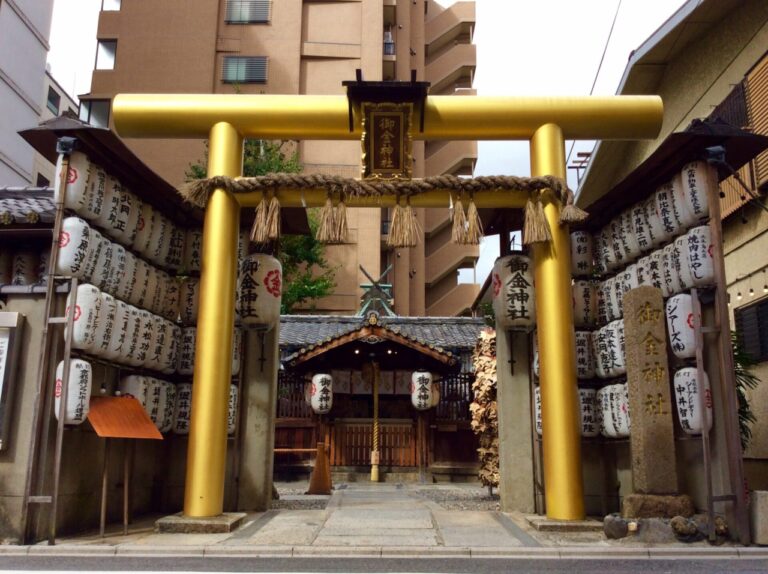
point(402, 148)
point(206, 453)
point(326, 117)
point(554, 315)
point(375, 438)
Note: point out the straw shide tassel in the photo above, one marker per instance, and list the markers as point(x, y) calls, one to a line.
point(570, 213)
point(340, 222)
point(459, 229)
point(325, 229)
point(474, 231)
point(536, 229)
point(259, 232)
point(396, 226)
point(273, 219)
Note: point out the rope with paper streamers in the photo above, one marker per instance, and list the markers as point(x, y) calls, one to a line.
point(466, 228)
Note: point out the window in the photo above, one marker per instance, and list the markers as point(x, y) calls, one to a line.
point(54, 100)
point(42, 181)
point(245, 70)
point(95, 112)
point(110, 5)
point(106, 51)
point(752, 329)
point(248, 11)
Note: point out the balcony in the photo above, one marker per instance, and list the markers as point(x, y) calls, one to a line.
point(436, 219)
point(456, 301)
point(456, 157)
point(454, 24)
point(456, 65)
point(447, 259)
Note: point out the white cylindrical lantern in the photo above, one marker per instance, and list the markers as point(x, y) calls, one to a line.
point(628, 238)
point(600, 353)
point(607, 253)
point(175, 256)
point(187, 351)
point(513, 300)
point(584, 303)
point(164, 347)
point(171, 299)
point(642, 269)
point(585, 358)
point(160, 242)
point(237, 351)
point(688, 391)
point(641, 227)
point(157, 399)
point(680, 262)
point(98, 242)
point(598, 248)
point(582, 253)
point(615, 355)
point(695, 176)
point(616, 242)
point(105, 325)
point(130, 350)
point(86, 316)
point(683, 211)
point(665, 209)
point(146, 326)
point(136, 386)
point(24, 268)
point(116, 272)
point(104, 263)
point(610, 299)
point(421, 390)
point(669, 273)
point(604, 405)
point(656, 229)
point(537, 409)
point(535, 352)
point(590, 426)
point(234, 401)
point(127, 284)
point(656, 271)
point(97, 182)
point(74, 247)
point(157, 334)
point(144, 228)
point(110, 205)
point(189, 300)
point(602, 303)
point(700, 260)
point(76, 194)
point(259, 291)
point(78, 391)
point(321, 393)
point(147, 298)
point(175, 348)
point(170, 407)
point(679, 311)
point(118, 339)
point(161, 280)
point(141, 287)
point(193, 249)
point(619, 395)
point(182, 408)
point(123, 224)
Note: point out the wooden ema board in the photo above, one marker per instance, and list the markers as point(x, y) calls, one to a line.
point(121, 417)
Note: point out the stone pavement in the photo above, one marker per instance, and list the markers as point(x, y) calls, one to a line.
point(373, 520)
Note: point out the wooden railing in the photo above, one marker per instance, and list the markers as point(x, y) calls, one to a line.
point(351, 443)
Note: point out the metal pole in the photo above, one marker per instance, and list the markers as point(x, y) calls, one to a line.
point(206, 458)
point(564, 491)
point(104, 488)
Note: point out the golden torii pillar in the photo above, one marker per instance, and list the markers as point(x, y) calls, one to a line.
point(226, 119)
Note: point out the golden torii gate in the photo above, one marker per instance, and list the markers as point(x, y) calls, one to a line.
point(226, 119)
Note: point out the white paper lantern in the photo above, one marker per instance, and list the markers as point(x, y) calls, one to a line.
point(656, 271)
point(146, 284)
point(679, 311)
point(602, 302)
point(171, 299)
point(136, 386)
point(144, 227)
point(146, 327)
point(105, 325)
point(116, 272)
point(95, 186)
point(170, 407)
point(619, 395)
point(616, 242)
point(126, 285)
point(537, 409)
point(193, 249)
point(187, 351)
point(607, 253)
point(321, 393)
point(182, 408)
point(78, 391)
point(598, 248)
point(160, 280)
point(237, 351)
point(629, 241)
point(175, 350)
point(642, 269)
point(688, 391)
point(585, 358)
point(671, 283)
point(123, 224)
point(610, 299)
point(259, 291)
point(130, 348)
point(607, 428)
point(513, 300)
point(695, 179)
point(535, 352)
point(600, 353)
point(700, 260)
point(582, 253)
point(163, 347)
point(157, 399)
point(665, 213)
point(584, 303)
point(118, 341)
point(421, 390)
point(74, 247)
point(24, 268)
point(232, 409)
point(175, 256)
point(656, 229)
point(111, 204)
point(680, 262)
point(590, 426)
point(189, 301)
point(683, 212)
point(614, 355)
point(154, 351)
point(641, 227)
point(160, 241)
point(76, 194)
point(86, 316)
point(6, 259)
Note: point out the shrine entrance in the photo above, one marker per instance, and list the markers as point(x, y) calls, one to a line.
point(226, 119)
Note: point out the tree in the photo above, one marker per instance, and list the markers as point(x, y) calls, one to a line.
point(745, 380)
point(307, 275)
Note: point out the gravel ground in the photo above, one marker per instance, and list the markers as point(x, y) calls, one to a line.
point(461, 498)
point(300, 503)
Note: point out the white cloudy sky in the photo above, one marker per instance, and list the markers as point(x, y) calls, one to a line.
point(524, 47)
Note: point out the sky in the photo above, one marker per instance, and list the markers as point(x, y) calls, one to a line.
point(524, 47)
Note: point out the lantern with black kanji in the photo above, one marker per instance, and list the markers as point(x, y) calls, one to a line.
point(513, 297)
point(590, 425)
point(182, 408)
point(321, 393)
point(688, 390)
point(695, 179)
point(682, 340)
point(78, 391)
point(75, 246)
point(421, 390)
point(259, 291)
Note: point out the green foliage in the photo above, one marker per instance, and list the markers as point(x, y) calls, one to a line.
point(307, 275)
point(742, 362)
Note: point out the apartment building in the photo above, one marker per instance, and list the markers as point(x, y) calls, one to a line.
point(307, 47)
point(24, 31)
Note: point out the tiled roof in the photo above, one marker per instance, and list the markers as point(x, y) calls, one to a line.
point(454, 333)
point(26, 206)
